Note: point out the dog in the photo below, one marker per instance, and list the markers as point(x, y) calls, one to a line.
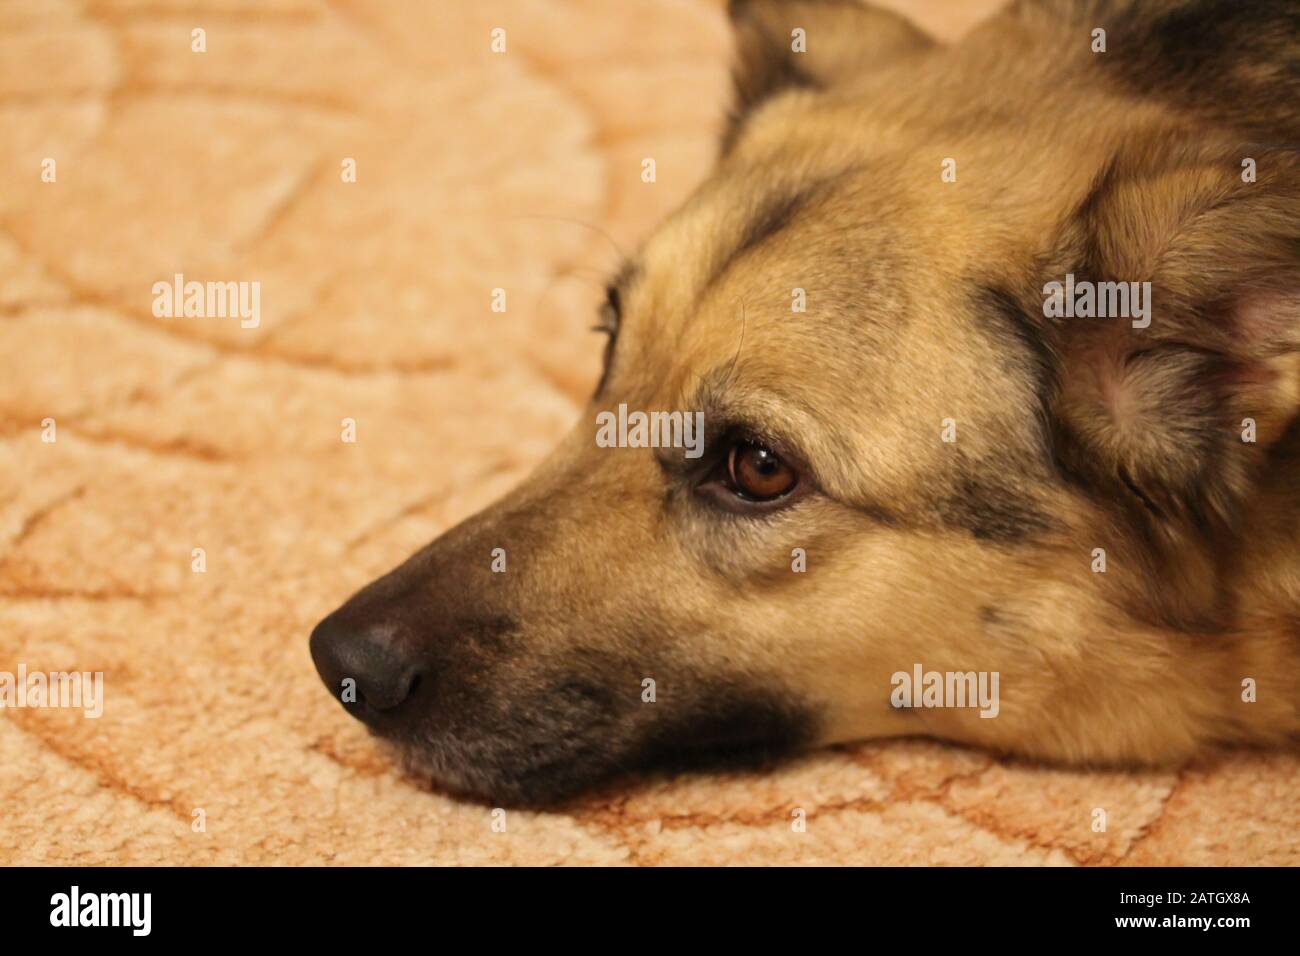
point(920, 454)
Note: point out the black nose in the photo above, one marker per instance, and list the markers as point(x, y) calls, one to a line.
point(364, 669)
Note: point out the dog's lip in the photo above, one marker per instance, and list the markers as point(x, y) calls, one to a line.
point(529, 774)
point(497, 765)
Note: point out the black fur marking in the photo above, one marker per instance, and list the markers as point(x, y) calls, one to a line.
point(765, 68)
point(772, 216)
point(1040, 361)
point(727, 726)
point(1232, 62)
point(579, 739)
point(992, 512)
point(1029, 331)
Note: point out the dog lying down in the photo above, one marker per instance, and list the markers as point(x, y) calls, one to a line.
point(935, 495)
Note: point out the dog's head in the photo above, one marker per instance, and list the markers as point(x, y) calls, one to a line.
point(910, 454)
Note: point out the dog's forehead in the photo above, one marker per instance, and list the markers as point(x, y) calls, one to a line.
point(866, 260)
point(790, 266)
point(745, 243)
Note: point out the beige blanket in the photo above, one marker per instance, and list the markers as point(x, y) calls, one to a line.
point(473, 172)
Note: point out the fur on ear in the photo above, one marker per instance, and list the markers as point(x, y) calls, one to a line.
point(809, 44)
point(1180, 408)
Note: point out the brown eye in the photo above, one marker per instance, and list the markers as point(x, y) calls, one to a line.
point(757, 473)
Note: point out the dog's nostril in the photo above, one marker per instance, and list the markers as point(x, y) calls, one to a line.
point(414, 685)
point(365, 671)
point(388, 693)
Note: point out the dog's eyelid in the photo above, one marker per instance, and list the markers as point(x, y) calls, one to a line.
point(608, 316)
point(609, 313)
point(730, 431)
point(606, 320)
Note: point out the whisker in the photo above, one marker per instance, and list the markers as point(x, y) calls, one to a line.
point(618, 250)
point(735, 358)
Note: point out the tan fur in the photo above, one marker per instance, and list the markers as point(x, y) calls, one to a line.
point(1073, 434)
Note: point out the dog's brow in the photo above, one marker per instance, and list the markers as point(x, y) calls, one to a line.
point(763, 415)
point(772, 215)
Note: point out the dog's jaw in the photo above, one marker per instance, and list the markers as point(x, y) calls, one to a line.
point(553, 752)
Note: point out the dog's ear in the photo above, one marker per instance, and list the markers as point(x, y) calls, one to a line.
point(1179, 407)
point(783, 44)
